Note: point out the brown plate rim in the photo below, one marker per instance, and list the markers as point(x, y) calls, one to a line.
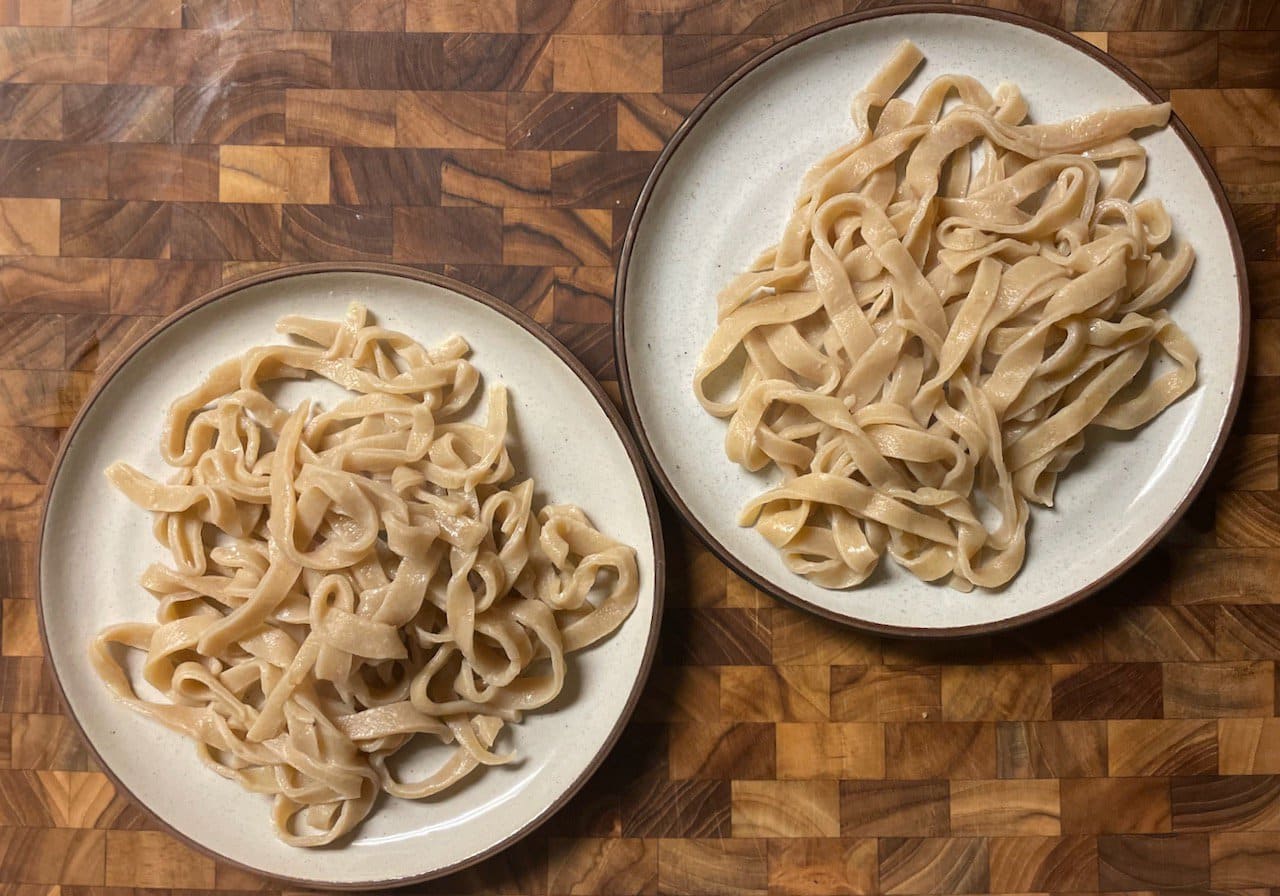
point(593, 386)
point(624, 374)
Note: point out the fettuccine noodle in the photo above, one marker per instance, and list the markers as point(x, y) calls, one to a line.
point(938, 326)
point(348, 579)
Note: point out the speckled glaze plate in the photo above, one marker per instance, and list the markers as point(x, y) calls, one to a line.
point(94, 544)
point(719, 195)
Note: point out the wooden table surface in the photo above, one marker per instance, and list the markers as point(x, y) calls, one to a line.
point(151, 150)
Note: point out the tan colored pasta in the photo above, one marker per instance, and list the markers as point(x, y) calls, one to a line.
point(346, 580)
point(956, 297)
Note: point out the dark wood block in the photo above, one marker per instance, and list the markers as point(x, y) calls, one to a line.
point(574, 121)
point(713, 867)
point(53, 856)
point(162, 172)
point(117, 113)
point(216, 114)
point(160, 56)
point(584, 295)
point(1107, 691)
point(30, 112)
point(740, 751)
point(570, 16)
point(716, 637)
point(54, 284)
point(26, 456)
point(1163, 861)
point(996, 693)
point(58, 170)
point(1115, 805)
point(1043, 864)
point(116, 228)
point(690, 808)
point(46, 741)
point(895, 809)
point(955, 750)
point(385, 176)
point(94, 341)
point(1168, 58)
point(695, 64)
point(599, 180)
point(439, 62)
point(32, 342)
point(556, 236)
point(226, 231)
point(340, 117)
point(527, 288)
point(911, 865)
point(886, 693)
point(1248, 59)
point(336, 232)
point(1219, 690)
point(339, 15)
point(647, 120)
point(1226, 802)
point(449, 235)
point(495, 177)
point(605, 866)
point(1051, 749)
point(53, 55)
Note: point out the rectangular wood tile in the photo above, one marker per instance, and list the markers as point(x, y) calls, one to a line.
point(740, 751)
point(585, 295)
point(1115, 805)
point(255, 15)
point(955, 750)
point(26, 455)
point(342, 15)
point(1168, 58)
point(801, 867)
point(1051, 749)
point(527, 288)
point(336, 232)
point(1043, 864)
point(1158, 633)
point(895, 808)
point(340, 117)
point(1026, 808)
point(273, 174)
point(30, 112)
point(1248, 520)
point(916, 865)
point(1214, 690)
point(47, 398)
point(117, 113)
point(803, 638)
point(775, 693)
point(607, 63)
point(607, 867)
point(830, 750)
point(115, 228)
point(1243, 859)
point(1230, 117)
point(1226, 802)
point(53, 856)
point(19, 636)
point(29, 226)
point(886, 693)
point(25, 687)
point(19, 559)
point(157, 171)
point(381, 61)
point(145, 287)
point(452, 119)
point(55, 170)
point(159, 55)
point(154, 859)
point(655, 807)
point(599, 180)
point(36, 14)
point(997, 693)
point(716, 637)
point(1254, 461)
point(495, 177)
point(1257, 225)
point(1161, 747)
point(570, 16)
point(459, 15)
point(226, 231)
point(1247, 59)
point(697, 63)
point(556, 236)
point(238, 115)
point(647, 120)
point(1249, 174)
point(451, 235)
point(1153, 861)
point(1237, 576)
point(53, 55)
point(666, 17)
point(275, 59)
point(683, 694)
point(786, 809)
point(385, 176)
point(712, 867)
point(1107, 691)
point(1249, 746)
point(1264, 289)
point(24, 802)
point(127, 13)
point(576, 121)
point(54, 284)
point(95, 340)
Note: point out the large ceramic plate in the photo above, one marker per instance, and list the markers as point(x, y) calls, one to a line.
point(719, 195)
point(94, 544)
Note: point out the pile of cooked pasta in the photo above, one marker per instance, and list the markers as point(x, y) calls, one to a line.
point(346, 580)
point(957, 296)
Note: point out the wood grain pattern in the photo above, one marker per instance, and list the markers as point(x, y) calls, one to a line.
point(151, 150)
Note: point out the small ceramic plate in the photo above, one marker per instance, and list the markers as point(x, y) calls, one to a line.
point(719, 195)
point(94, 545)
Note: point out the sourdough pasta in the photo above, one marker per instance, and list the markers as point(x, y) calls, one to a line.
point(344, 581)
point(957, 295)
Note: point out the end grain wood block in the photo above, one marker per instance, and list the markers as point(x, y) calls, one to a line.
point(599, 179)
point(1023, 808)
point(830, 750)
point(775, 693)
point(608, 63)
point(1231, 117)
point(1248, 746)
point(713, 867)
point(505, 178)
point(48, 398)
point(229, 115)
point(26, 456)
point(273, 174)
point(375, 176)
point(78, 799)
point(154, 859)
point(647, 120)
point(127, 13)
point(603, 866)
point(1043, 864)
point(570, 16)
point(451, 119)
point(340, 117)
point(39, 342)
point(1244, 859)
point(19, 636)
point(665, 17)
point(803, 638)
point(580, 121)
point(226, 231)
point(953, 750)
point(34, 168)
point(159, 56)
point(54, 284)
point(1264, 357)
point(29, 226)
point(1161, 747)
point(1168, 58)
point(654, 807)
point(54, 55)
point(1107, 691)
point(1051, 749)
point(895, 808)
point(43, 741)
point(886, 693)
point(461, 15)
point(1248, 632)
point(996, 693)
point(1153, 861)
point(681, 694)
point(25, 687)
point(150, 287)
point(1159, 633)
point(1248, 519)
point(1249, 173)
point(20, 515)
point(1253, 461)
point(916, 865)
point(448, 235)
point(786, 808)
point(1115, 805)
point(1215, 690)
point(344, 15)
point(556, 236)
point(738, 751)
point(57, 856)
point(337, 233)
point(117, 113)
point(1257, 225)
point(830, 867)
point(1226, 803)
point(30, 112)
point(1226, 576)
point(118, 228)
point(697, 63)
point(275, 59)
point(162, 172)
point(1248, 59)
point(372, 61)
point(584, 295)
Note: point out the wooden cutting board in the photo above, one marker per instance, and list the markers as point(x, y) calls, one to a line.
point(151, 150)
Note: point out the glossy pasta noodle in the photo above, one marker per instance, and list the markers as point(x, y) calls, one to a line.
point(957, 296)
point(344, 581)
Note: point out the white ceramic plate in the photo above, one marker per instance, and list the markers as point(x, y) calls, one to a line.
point(720, 194)
point(95, 544)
